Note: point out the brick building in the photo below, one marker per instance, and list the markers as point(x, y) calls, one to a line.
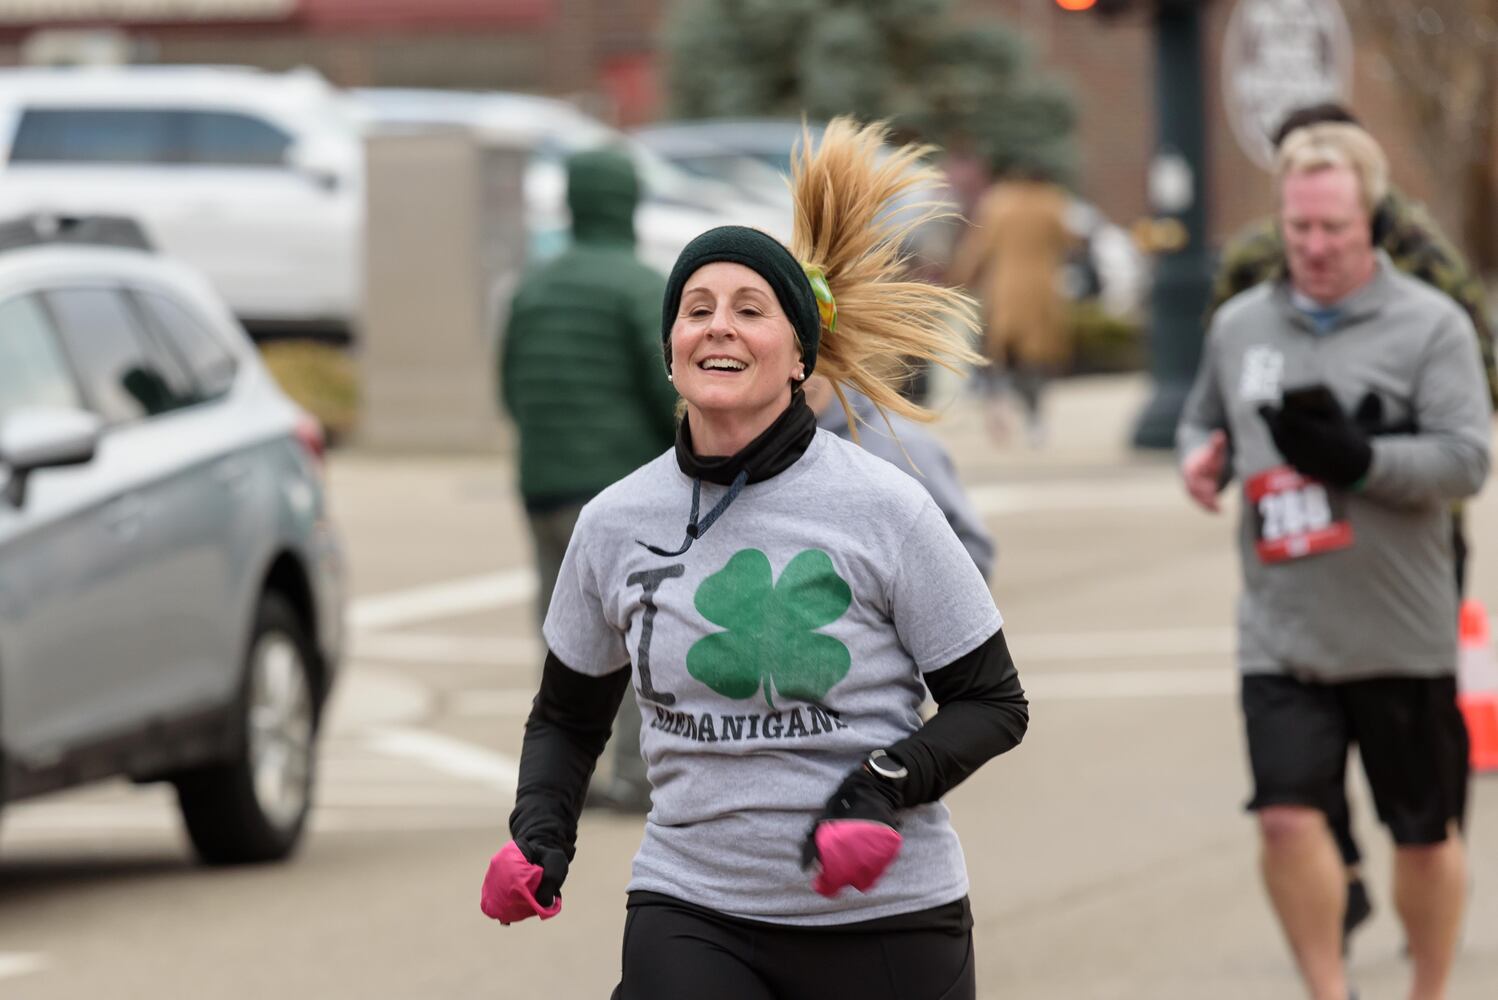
point(603, 53)
point(600, 52)
point(1109, 62)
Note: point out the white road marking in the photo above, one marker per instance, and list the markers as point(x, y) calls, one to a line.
point(1123, 644)
point(442, 600)
point(489, 703)
point(390, 778)
point(158, 818)
point(489, 816)
point(119, 816)
point(461, 650)
point(16, 963)
point(365, 697)
point(1079, 494)
point(1085, 685)
point(450, 756)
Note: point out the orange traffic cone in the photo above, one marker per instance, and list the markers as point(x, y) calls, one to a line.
point(1477, 685)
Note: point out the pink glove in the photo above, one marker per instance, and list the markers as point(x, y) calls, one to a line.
point(853, 852)
point(510, 886)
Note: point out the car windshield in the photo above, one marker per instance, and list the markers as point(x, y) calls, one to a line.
point(770, 143)
point(746, 173)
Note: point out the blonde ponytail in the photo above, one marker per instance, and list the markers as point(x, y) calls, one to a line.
point(842, 192)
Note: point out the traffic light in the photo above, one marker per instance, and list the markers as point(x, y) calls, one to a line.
point(1110, 8)
point(1104, 7)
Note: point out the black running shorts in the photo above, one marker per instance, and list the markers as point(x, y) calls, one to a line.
point(1409, 733)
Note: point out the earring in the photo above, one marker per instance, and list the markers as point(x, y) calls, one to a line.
point(670, 377)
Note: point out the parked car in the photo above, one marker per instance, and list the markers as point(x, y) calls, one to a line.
point(738, 148)
point(676, 206)
point(752, 154)
point(171, 586)
point(1107, 267)
point(253, 178)
point(756, 153)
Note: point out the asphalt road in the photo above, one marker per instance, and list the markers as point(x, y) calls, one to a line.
point(1109, 855)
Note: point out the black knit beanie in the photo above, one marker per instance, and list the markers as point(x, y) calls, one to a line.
point(768, 258)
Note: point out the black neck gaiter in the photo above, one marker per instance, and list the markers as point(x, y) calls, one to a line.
point(768, 455)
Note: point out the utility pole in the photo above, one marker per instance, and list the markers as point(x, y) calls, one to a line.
point(1178, 198)
point(1178, 202)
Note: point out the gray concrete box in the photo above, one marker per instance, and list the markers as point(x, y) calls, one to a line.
point(445, 228)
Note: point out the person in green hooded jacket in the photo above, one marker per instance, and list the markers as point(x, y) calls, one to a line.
point(581, 375)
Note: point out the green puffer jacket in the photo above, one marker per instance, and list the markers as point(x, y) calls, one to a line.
point(581, 371)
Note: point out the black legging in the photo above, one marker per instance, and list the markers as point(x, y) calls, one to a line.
point(684, 953)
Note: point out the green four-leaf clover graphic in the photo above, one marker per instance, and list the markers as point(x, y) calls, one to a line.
point(770, 638)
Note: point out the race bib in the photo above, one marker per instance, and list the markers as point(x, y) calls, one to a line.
point(1295, 517)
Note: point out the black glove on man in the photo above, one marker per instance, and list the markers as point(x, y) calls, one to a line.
point(1319, 439)
point(1369, 416)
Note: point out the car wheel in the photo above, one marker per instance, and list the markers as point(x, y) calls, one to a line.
point(253, 808)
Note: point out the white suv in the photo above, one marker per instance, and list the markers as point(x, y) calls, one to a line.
point(254, 178)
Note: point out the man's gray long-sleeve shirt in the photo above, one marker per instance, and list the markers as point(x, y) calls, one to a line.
point(932, 467)
point(1386, 604)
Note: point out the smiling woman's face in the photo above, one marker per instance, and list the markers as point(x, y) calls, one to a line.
point(733, 356)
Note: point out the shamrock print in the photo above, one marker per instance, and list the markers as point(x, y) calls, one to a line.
point(770, 638)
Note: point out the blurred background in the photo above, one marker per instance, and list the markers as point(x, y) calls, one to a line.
point(299, 223)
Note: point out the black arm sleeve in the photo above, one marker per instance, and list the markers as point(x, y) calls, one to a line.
point(569, 724)
point(981, 713)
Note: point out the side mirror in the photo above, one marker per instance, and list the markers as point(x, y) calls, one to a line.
point(32, 439)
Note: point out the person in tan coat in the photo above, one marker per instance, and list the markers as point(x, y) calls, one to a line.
point(1011, 259)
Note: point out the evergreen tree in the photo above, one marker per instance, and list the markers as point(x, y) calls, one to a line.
point(906, 61)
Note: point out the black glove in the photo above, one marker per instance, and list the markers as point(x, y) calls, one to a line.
point(860, 796)
point(1321, 442)
point(1369, 417)
point(553, 864)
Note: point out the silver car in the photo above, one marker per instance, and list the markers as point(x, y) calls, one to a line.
point(170, 584)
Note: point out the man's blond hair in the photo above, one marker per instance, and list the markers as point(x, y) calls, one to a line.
point(1335, 144)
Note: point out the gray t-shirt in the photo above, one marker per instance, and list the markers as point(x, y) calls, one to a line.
point(768, 660)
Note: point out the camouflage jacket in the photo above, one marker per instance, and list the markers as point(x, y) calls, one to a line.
point(1412, 240)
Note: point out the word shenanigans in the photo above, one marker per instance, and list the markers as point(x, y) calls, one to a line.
point(787, 725)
